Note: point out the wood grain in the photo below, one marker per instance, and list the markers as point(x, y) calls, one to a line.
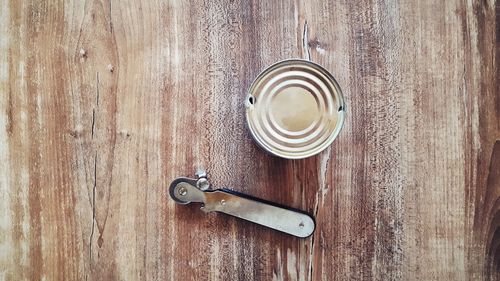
point(103, 103)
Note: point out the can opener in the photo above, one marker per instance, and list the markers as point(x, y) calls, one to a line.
point(186, 190)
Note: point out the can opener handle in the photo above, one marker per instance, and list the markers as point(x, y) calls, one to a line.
point(186, 190)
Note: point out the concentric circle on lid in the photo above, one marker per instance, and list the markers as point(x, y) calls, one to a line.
point(295, 109)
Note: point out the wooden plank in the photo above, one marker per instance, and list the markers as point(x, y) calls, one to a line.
point(104, 103)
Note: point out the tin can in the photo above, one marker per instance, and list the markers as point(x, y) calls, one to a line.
point(294, 109)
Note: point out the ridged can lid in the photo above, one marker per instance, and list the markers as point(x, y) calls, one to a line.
point(294, 109)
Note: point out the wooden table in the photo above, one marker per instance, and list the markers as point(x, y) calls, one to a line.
point(103, 103)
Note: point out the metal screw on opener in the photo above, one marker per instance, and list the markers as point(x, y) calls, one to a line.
point(186, 190)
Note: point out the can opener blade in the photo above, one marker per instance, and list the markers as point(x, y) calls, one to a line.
point(294, 222)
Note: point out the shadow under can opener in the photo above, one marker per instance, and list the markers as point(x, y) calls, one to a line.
point(294, 222)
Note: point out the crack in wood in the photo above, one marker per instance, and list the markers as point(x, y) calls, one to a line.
point(311, 245)
point(95, 170)
point(305, 42)
point(110, 20)
point(307, 55)
point(93, 208)
point(97, 105)
point(93, 122)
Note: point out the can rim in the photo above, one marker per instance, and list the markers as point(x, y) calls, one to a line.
point(338, 95)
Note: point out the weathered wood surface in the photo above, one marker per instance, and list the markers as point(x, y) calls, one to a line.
point(103, 103)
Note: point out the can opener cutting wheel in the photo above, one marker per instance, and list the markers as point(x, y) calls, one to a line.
point(186, 190)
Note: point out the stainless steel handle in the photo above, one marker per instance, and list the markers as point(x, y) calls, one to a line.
point(255, 210)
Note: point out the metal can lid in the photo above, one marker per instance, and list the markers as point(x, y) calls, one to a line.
point(294, 109)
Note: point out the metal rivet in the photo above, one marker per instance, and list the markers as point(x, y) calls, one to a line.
point(223, 202)
point(301, 224)
point(182, 191)
point(202, 184)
